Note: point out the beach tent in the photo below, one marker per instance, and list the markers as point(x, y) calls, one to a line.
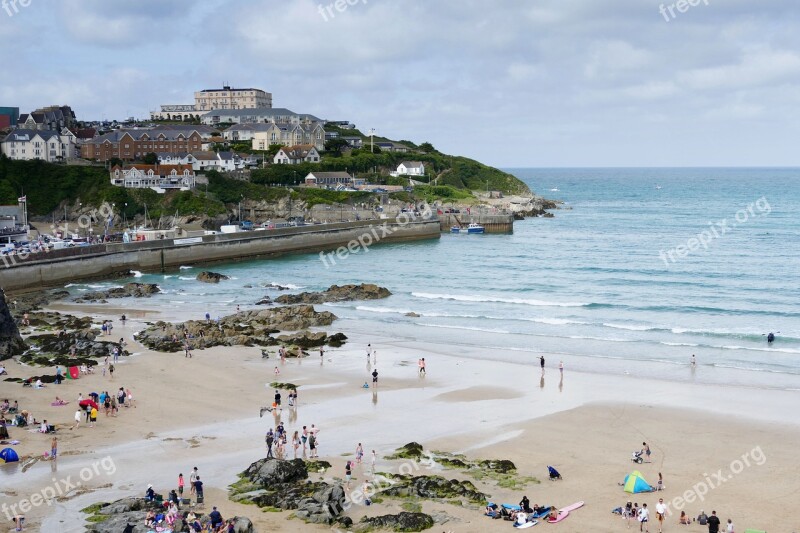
point(8, 456)
point(73, 372)
point(635, 483)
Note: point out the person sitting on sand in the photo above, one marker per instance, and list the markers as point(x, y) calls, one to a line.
point(150, 519)
point(553, 513)
point(684, 520)
point(38, 384)
point(525, 504)
point(59, 401)
point(521, 518)
point(702, 518)
point(5, 406)
point(3, 370)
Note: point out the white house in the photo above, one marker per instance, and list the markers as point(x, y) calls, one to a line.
point(292, 155)
point(410, 168)
point(156, 177)
point(46, 145)
point(200, 161)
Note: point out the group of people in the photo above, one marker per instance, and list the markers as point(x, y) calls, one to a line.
point(632, 511)
point(305, 438)
point(172, 508)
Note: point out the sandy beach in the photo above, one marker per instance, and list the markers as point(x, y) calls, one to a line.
point(204, 412)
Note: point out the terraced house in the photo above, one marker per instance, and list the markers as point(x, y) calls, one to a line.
point(134, 144)
point(46, 145)
point(289, 135)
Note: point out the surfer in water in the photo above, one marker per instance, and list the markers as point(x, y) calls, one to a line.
point(770, 338)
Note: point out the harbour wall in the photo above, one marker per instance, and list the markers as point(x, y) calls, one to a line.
point(59, 267)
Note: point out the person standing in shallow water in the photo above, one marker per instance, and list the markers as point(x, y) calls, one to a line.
point(541, 363)
point(375, 378)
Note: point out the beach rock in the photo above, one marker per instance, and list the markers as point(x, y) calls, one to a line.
point(434, 487)
point(304, 339)
point(11, 342)
point(31, 301)
point(412, 314)
point(412, 450)
point(132, 290)
point(248, 328)
point(400, 522)
point(501, 466)
point(264, 301)
point(336, 293)
point(128, 522)
point(85, 343)
point(336, 340)
point(285, 485)
point(270, 472)
point(276, 287)
point(211, 277)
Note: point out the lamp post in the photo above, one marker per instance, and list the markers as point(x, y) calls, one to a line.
point(124, 216)
point(372, 140)
point(80, 208)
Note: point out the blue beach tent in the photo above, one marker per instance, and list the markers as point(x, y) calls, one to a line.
point(635, 483)
point(8, 455)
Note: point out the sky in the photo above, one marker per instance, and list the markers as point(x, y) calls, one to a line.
point(512, 83)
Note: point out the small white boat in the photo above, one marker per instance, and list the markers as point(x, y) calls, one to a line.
point(554, 189)
point(472, 228)
point(658, 187)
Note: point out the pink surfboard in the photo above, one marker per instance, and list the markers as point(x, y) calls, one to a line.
point(563, 513)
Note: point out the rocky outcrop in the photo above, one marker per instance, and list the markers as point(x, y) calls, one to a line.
point(85, 343)
point(133, 290)
point(307, 339)
point(11, 342)
point(211, 277)
point(435, 487)
point(336, 293)
point(128, 515)
point(248, 328)
point(279, 484)
point(31, 301)
point(400, 522)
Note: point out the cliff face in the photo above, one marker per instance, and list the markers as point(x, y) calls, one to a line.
point(11, 342)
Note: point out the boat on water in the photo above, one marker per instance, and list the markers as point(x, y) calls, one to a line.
point(472, 228)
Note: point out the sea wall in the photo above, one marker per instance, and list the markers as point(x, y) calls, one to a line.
point(492, 223)
point(60, 267)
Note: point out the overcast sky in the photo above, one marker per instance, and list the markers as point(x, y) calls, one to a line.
point(511, 83)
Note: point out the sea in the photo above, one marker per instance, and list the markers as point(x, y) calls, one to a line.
point(640, 269)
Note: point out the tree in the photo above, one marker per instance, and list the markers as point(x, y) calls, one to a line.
point(273, 150)
point(150, 158)
point(427, 147)
point(114, 162)
point(335, 146)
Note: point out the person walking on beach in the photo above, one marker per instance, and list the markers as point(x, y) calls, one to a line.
point(321, 352)
point(270, 438)
point(296, 442)
point(374, 460)
point(694, 360)
point(644, 518)
point(713, 523)
point(628, 513)
point(312, 445)
point(369, 351)
point(54, 448)
point(561, 367)
point(661, 511)
point(77, 419)
point(422, 366)
point(192, 479)
point(187, 349)
point(111, 372)
point(348, 473)
point(304, 438)
point(359, 453)
point(180, 484)
point(646, 450)
point(375, 378)
point(541, 363)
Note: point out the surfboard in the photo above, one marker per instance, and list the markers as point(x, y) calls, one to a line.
point(526, 525)
point(572, 507)
point(564, 512)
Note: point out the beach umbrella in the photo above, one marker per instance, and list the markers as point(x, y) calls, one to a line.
point(91, 403)
point(73, 372)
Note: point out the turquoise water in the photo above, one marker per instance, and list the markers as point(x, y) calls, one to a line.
point(595, 286)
